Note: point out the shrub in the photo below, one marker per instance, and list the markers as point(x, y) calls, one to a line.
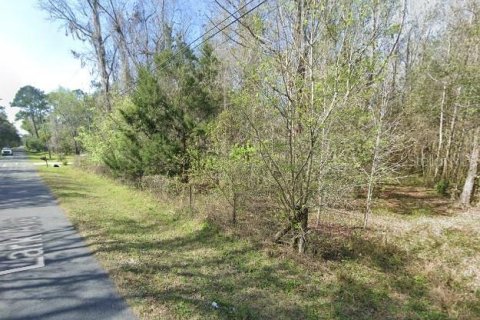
point(442, 187)
point(34, 144)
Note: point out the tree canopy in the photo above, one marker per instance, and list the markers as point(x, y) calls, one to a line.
point(8, 133)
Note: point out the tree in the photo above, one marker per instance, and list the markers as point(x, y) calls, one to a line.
point(8, 133)
point(68, 116)
point(442, 99)
point(163, 123)
point(33, 108)
point(311, 64)
point(83, 20)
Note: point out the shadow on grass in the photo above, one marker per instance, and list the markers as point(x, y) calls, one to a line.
point(338, 243)
point(414, 201)
point(359, 299)
point(203, 267)
point(380, 284)
point(201, 273)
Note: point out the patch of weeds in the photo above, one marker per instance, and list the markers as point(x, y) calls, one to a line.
point(373, 251)
point(465, 239)
point(183, 309)
point(418, 212)
point(442, 187)
point(415, 286)
point(332, 249)
point(356, 299)
point(382, 209)
point(386, 256)
point(472, 306)
point(422, 309)
point(413, 180)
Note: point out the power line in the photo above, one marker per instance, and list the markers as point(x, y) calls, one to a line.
point(216, 27)
point(218, 24)
point(236, 19)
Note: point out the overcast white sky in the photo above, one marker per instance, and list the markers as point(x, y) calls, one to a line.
point(35, 51)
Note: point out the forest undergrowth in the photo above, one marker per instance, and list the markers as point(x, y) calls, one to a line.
point(418, 259)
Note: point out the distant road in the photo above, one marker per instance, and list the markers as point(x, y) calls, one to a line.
point(46, 270)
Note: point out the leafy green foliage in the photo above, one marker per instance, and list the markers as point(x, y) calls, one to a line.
point(442, 187)
point(33, 109)
point(166, 116)
point(34, 144)
point(8, 133)
point(69, 115)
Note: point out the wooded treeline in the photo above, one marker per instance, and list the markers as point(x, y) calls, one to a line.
point(8, 133)
point(309, 103)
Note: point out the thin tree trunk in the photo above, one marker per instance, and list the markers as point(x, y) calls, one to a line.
point(438, 162)
point(302, 218)
point(77, 149)
point(466, 195)
point(234, 208)
point(448, 148)
point(422, 161)
point(126, 76)
point(280, 234)
point(371, 177)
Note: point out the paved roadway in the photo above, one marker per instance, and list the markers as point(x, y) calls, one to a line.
point(46, 270)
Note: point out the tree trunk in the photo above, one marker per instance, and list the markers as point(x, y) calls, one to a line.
point(466, 195)
point(371, 177)
point(299, 224)
point(99, 46)
point(438, 162)
point(448, 148)
point(422, 161)
point(301, 219)
point(77, 149)
point(35, 129)
point(234, 208)
point(280, 234)
point(126, 76)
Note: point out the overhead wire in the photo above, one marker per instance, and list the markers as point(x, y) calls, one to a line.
point(216, 26)
point(236, 19)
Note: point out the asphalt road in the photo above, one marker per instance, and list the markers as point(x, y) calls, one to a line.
point(46, 270)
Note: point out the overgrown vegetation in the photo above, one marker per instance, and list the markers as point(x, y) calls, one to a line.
point(171, 265)
point(345, 130)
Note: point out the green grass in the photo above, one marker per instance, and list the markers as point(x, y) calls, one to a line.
point(37, 157)
point(170, 265)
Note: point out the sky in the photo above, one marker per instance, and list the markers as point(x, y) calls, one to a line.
point(35, 51)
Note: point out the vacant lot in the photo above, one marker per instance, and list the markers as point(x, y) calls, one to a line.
point(419, 260)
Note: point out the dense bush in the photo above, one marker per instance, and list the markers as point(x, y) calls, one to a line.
point(442, 187)
point(35, 144)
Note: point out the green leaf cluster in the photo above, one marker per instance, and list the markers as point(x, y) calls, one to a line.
point(162, 125)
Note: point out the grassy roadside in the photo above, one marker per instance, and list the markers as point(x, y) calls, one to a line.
point(169, 265)
point(37, 157)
